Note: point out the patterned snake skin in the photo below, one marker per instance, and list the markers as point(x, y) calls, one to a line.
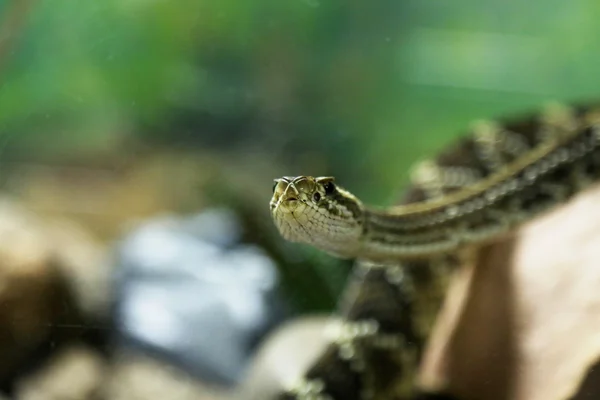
point(388, 310)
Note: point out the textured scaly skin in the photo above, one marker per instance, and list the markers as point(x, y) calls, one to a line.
point(479, 189)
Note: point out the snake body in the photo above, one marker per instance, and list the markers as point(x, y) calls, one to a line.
point(479, 189)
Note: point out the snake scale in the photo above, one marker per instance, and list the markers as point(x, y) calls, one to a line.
point(479, 189)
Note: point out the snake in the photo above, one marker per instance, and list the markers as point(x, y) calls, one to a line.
point(476, 191)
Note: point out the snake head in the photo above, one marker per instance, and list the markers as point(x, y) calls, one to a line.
point(314, 210)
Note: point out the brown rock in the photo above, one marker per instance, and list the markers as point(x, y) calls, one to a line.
point(523, 322)
point(49, 274)
point(27, 286)
point(74, 374)
point(137, 377)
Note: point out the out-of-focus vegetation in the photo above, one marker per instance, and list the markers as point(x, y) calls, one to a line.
point(117, 109)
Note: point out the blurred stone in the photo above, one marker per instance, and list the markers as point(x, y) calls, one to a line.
point(43, 292)
point(28, 282)
point(284, 357)
point(75, 374)
point(192, 292)
point(137, 377)
point(522, 321)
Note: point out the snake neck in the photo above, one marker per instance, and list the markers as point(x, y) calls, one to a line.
point(548, 177)
point(388, 238)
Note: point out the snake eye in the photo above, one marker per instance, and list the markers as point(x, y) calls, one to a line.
point(274, 186)
point(329, 187)
point(317, 196)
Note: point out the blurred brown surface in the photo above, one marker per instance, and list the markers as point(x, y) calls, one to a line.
point(108, 193)
point(81, 373)
point(137, 377)
point(73, 374)
point(522, 323)
point(34, 298)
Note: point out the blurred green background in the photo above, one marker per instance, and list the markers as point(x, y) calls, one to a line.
point(112, 111)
